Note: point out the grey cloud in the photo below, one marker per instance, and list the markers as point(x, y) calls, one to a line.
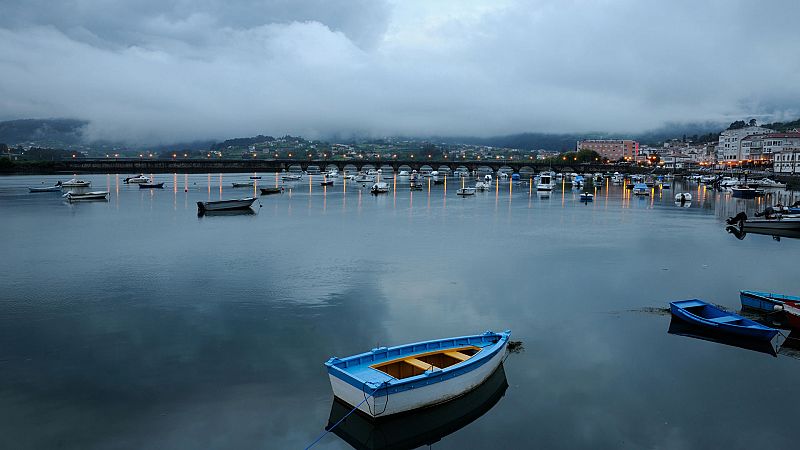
point(158, 71)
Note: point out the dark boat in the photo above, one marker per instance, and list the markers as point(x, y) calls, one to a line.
point(271, 190)
point(702, 314)
point(326, 183)
point(681, 328)
point(438, 181)
point(225, 205)
point(151, 185)
point(255, 178)
point(420, 427)
point(746, 192)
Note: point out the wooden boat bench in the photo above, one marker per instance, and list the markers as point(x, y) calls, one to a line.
point(457, 355)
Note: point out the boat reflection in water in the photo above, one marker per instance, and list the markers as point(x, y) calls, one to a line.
point(682, 328)
point(227, 212)
point(419, 427)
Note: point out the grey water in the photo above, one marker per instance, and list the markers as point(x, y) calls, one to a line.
point(134, 323)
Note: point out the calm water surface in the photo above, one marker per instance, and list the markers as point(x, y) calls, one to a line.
point(133, 323)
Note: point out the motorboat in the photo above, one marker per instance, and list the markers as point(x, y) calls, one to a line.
point(387, 381)
point(225, 205)
point(77, 183)
point(137, 179)
point(380, 187)
point(487, 178)
point(94, 195)
point(482, 185)
point(403, 173)
point(243, 184)
point(291, 177)
point(466, 191)
point(617, 178)
point(362, 178)
point(769, 183)
point(271, 190)
point(703, 314)
point(151, 185)
point(545, 183)
point(415, 186)
point(56, 188)
point(587, 197)
point(641, 189)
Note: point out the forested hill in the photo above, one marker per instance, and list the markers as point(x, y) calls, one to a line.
point(43, 132)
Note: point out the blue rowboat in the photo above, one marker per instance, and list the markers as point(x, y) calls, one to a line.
point(766, 301)
point(702, 314)
point(387, 381)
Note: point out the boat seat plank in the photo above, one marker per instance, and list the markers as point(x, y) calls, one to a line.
point(725, 319)
point(419, 364)
point(458, 355)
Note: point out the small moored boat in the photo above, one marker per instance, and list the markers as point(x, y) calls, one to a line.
point(291, 177)
point(138, 179)
point(151, 185)
point(243, 184)
point(766, 301)
point(326, 183)
point(466, 191)
point(225, 205)
point(683, 197)
point(380, 188)
point(255, 177)
point(703, 314)
point(641, 189)
point(271, 190)
point(76, 183)
point(387, 381)
point(56, 188)
point(95, 195)
point(587, 197)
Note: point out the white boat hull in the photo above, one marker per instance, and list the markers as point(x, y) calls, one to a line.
point(419, 397)
point(97, 195)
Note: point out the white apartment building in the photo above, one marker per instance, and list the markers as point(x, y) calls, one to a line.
point(785, 150)
point(729, 148)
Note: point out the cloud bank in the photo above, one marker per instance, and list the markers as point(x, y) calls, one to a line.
point(159, 71)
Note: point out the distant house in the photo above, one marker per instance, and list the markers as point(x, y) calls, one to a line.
point(729, 147)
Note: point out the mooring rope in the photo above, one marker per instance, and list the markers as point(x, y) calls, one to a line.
point(329, 429)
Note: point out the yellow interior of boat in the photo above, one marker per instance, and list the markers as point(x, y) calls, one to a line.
point(417, 364)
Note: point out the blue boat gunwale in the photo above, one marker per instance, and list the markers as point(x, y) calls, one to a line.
point(495, 342)
point(770, 296)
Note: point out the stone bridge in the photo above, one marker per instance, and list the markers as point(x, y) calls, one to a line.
point(125, 165)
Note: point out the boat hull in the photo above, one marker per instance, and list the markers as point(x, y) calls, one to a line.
point(87, 196)
point(45, 189)
point(742, 327)
point(766, 301)
point(759, 225)
point(151, 185)
point(225, 205)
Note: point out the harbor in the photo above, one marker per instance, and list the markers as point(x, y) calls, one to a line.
point(212, 330)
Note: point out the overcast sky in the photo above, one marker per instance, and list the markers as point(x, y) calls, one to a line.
point(164, 70)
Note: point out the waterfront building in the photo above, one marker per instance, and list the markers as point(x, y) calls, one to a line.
point(785, 151)
point(729, 148)
point(612, 149)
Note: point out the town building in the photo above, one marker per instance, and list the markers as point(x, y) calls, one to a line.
point(729, 148)
point(611, 149)
point(784, 149)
